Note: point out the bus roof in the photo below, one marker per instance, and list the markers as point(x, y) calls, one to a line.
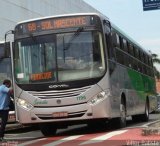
point(62, 15)
point(97, 14)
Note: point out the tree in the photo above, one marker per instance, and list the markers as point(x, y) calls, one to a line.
point(156, 60)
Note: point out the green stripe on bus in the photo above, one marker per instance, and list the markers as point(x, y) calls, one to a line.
point(144, 85)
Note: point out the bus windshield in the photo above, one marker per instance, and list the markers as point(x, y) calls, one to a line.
point(59, 57)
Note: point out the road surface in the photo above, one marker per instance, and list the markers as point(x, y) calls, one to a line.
point(81, 135)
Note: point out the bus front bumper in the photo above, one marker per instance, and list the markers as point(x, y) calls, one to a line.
point(84, 111)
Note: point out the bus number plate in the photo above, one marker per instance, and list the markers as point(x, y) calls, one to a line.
point(60, 114)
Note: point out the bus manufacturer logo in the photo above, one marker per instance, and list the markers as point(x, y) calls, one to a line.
point(58, 101)
point(58, 86)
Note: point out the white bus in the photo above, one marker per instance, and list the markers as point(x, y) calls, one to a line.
point(6, 71)
point(79, 68)
point(5, 61)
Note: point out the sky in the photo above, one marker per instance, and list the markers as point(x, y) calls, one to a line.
point(128, 15)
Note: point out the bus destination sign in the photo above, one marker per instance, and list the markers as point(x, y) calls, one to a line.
point(54, 23)
point(151, 5)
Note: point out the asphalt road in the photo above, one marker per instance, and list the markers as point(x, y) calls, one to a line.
point(33, 132)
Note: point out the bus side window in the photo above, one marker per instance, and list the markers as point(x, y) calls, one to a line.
point(110, 48)
point(125, 45)
point(2, 51)
point(128, 47)
point(121, 43)
point(131, 51)
point(136, 53)
point(150, 62)
point(114, 45)
point(143, 57)
point(115, 40)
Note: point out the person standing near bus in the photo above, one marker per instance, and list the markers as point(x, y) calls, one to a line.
point(5, 93)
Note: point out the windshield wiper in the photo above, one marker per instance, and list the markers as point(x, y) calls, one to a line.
point(33, 37)
point(80, 29)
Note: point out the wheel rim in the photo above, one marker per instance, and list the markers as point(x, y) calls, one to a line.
point(147, 110)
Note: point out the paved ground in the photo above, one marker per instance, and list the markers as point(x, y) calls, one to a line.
point(148, 134)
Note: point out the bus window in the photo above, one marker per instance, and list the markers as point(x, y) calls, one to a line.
point(108, 41)
point(128, 46)
point(121, 43)
point(139, 54)
point(118, 41)
point(136, 53)
point(2, 51)
point(150, 62)
point(125, 45)
point(5, 50)
point(34, 57)
point(115, 40)
point(131, 50)
point(142, 57)
point(112, 43)
point(147, 60)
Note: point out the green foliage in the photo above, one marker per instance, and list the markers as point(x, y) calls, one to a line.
point(156, 60)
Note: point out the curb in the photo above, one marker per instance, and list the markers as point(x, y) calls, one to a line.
point(13, 126)
point(152, 128)
point(19, 127)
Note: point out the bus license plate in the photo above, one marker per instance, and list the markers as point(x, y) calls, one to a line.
point(60, 114)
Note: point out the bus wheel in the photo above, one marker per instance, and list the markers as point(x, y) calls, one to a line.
point(145, 116)
point(122, 118)
point(142, 117)
point(120, 122)
point(47, 129)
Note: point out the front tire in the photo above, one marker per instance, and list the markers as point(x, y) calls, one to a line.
point(48, 129)
point(122, 118)
point(120, 122)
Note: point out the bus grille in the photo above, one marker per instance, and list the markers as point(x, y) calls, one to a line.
point(59, 93)
point(70, 115)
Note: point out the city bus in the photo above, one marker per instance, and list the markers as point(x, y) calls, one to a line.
point(6, 71)
point(5, 61)
point(79, 68)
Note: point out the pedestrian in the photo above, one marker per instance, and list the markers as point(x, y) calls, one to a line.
point(5, 93)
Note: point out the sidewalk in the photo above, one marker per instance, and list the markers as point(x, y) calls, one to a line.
point(152, 129)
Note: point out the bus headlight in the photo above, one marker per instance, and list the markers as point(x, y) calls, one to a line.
point(100, 96)
point(24, 104)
